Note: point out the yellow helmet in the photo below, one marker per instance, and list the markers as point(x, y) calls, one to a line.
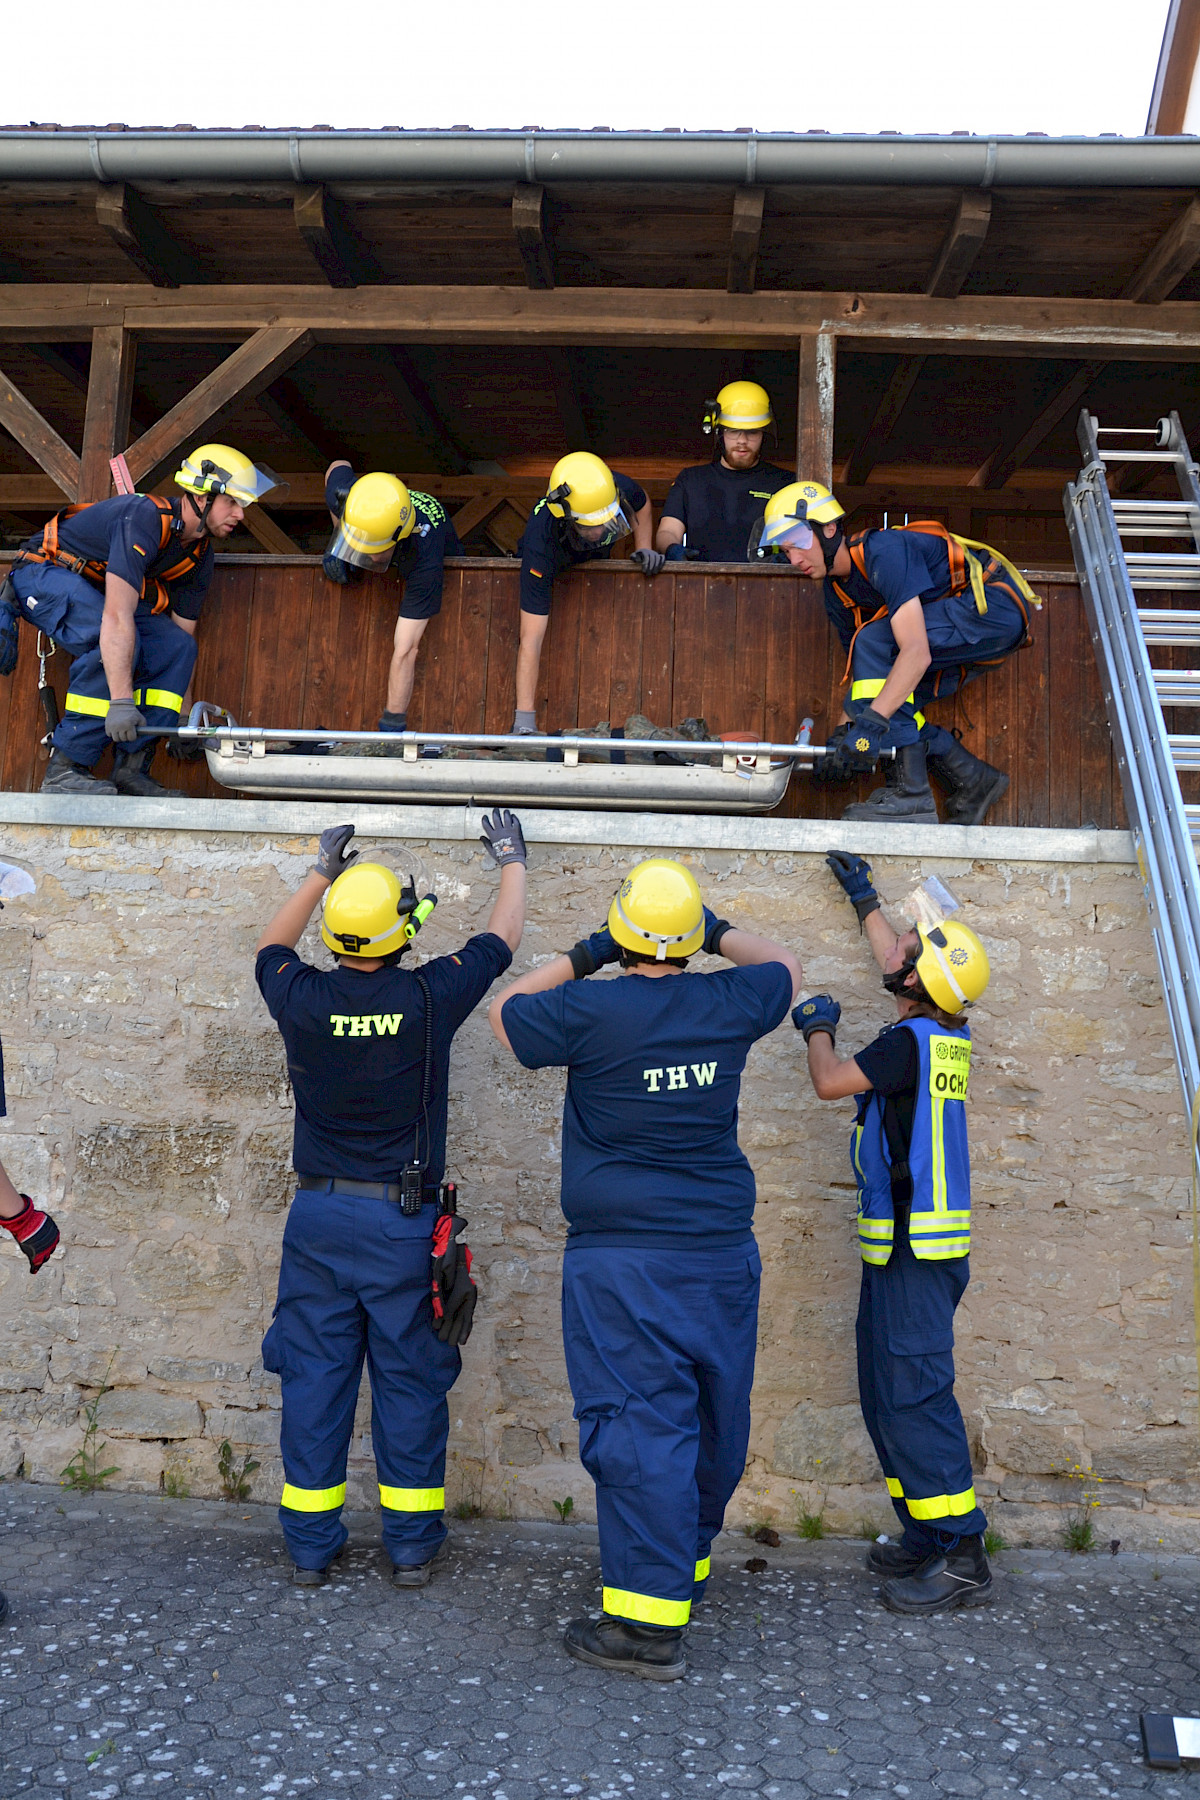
point(658, 908)
point(790, 516)
point(366, 912)
point(582, 491)
point(740, 406)
point(952, 965)
point(378, 514)
point(219, 469)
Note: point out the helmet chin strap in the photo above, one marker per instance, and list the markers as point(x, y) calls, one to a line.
point(831, 545)
point(201, 512)
point(895, 982)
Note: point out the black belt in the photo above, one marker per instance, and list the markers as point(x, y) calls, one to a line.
point(367, 1190)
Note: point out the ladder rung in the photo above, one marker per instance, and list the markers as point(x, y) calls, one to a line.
point(1192, 815)
point(1162, 626)
point(1177, 687)
point(1158, 456)
point(1160, 569)
point(1185, 750)
point(1156, 518)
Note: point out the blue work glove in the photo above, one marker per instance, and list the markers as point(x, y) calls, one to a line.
point(650, 562)
point(854, 874)
point(332, 855)
point(675, 553)
point(832, 769)
point(819, 1013)
point(9, 619)
point(592, 953)
point(714, 931)
point(335, 569)
point(865, 739)
point(502, 837)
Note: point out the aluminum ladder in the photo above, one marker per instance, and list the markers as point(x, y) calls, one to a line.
point(1123, 633)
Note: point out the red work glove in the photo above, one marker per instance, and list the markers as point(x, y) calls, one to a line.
point(454, 1292)
point(36, 1233)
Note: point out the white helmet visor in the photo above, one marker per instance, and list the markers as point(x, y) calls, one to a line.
point(783, 533)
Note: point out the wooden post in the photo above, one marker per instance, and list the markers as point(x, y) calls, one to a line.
point(814, 407)
point(109, 398)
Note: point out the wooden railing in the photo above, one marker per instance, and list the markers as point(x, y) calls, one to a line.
point(745, 649)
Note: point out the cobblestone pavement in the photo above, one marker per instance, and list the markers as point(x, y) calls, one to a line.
point(155, 1647)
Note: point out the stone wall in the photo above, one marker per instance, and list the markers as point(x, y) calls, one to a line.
point(148, 1104)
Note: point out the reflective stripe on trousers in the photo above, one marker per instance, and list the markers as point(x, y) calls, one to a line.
point(959, 638)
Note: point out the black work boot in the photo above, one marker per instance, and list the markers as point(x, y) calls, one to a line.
point(959, 1578)
point(131, 771)
point(906, 794)
point(895, 1559)
point(654, 1652)
point(970, 785)
point(66, 777)
point(414, 1575)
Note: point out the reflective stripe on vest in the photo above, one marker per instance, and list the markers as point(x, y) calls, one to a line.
point(644, 1609)
point(934, 1506)
point(703, 1568)
point(939, 1223)
point(867, 690)
point(412, 1499)
point(312, 1500)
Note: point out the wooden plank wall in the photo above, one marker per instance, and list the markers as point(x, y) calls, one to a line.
point(746, 651)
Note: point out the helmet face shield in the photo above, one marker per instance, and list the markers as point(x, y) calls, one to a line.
point(352, 546)
point(215, 470)
point(597, 530)
point(787, 532)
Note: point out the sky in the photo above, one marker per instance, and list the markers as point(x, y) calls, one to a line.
point(985, 66)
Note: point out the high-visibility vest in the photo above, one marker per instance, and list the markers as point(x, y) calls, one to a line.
point(172, 562)
point(934, 1177)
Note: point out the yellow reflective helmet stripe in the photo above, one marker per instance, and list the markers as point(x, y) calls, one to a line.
point(84, 703)
point(704, 1568)
point(942, 1506)
point(894, 1488)
point(312, 1500)
point(398, 1499)
point(645, 1609)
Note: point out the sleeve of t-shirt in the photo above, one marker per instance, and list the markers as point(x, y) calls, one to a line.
point(459, 982)
point(767, 990)
point(891, 1063)
point(675, 504)
point(538, 560)
point(895, 568)
point(537, 1028)
point(428, 576)
point(630, 491)
point(338, 483)
point(187, 596)
point(134, 544)
point(275, 969)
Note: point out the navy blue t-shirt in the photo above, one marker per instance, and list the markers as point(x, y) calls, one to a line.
point(355, 1047)
point(649, 1140)
point(124, 533)
point(901, 566)
point(719, 507)
point(419, 558)
point(547, 548)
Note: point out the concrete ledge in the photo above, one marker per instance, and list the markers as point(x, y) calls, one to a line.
point(650, 831)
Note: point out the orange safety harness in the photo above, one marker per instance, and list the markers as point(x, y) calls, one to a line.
point(50, 551)
point(966, 571)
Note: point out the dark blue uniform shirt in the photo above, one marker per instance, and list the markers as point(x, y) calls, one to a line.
point(649, 1140)
point(124, 533)
point(419, 558)
point(547, 548)
point(355, 1047)
point(719, 507)
point(901, 566)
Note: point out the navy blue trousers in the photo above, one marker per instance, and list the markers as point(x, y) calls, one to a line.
point(69, 609)
point(660, 1354)
point(959, 638)
point(905, 1336)
point(354, 1283)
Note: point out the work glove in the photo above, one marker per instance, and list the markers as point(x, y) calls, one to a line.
point(9, 620)
point(865, 739)
point(502, 837)
point(592, 953)
point(820, 1013)
point(36, 1233)
point(185, 749)
point(332, 857)
point(335, 569)
point(123, 721)
point(453, 1291)
point(854, 874)
point(833, 770)
point(650, 562)
point(714, 931)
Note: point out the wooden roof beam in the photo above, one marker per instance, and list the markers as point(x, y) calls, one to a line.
point(109, 405)
point(529, 229)
point(399, 376)
point(342, 257)
point(37, 438)
point(745, 233)
point(136, 229)
point(955, 260)
point(814, 408)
